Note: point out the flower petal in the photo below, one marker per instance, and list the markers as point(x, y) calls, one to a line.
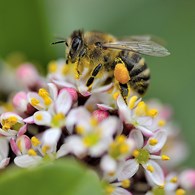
point(51, 136)
point(127, 169)
point(4, 163)
point(157, 175)
point(161, 137)
point(25, 161)
point(121, 191)
point(4, 148)
point(42, 118)
point(108, 164)
point(53, 91)
point(137, 136)
point(63, 102)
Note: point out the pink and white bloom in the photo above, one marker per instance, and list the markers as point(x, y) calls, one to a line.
point(11, 124)
point(135, 112)
point(4, 150)
point(20, 101)
point(92, 137)
point(187, 179)
point(144, 156)
point(31, 152)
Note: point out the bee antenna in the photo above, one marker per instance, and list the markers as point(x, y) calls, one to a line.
point(56, 42)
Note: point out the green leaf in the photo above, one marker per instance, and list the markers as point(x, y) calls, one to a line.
point(64, 177)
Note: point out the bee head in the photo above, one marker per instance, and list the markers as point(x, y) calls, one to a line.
point(75, 46)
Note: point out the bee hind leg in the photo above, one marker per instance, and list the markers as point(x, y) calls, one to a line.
point(124, 89)
point(94, 73)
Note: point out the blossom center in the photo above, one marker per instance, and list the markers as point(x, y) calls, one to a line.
point(141, 156)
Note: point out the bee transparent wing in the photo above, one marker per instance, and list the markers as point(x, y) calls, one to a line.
point(145, 47)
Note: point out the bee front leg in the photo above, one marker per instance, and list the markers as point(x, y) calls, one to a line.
point(94, 73)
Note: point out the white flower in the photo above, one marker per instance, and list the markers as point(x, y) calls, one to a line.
point(43, 148)
point(136, 113)
point(4, 150)
point(11, 124)
point(144, 156)
point(92, 137)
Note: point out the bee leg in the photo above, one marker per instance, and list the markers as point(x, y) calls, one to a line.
point(93, 75)
point(124, 90)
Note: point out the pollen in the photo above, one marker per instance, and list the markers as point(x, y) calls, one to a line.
point(121, 73)
point(93, 122)
point(150, 168)
point(109, 189)
point(47, 101)
point(174, 180)
point(80, 129)
point(43, 92)
point(136, 153)
point(153, 142)
point(141, 109)
point(180, 192)
point(153, 112)
point(34, 102)
point(132, 102)
point(32, 152)
point(125, 183)
point(115, 95)
point(161, 123)
point(165, 157)
point(65, 69)
point(35, 141)
point(39, 117)
point(52, 67)
point(45, 149)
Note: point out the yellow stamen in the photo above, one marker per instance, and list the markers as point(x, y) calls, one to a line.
point(47, 101)
point(125, 183)
point(174, 180)
point(141, 109)
point(124, 148)
point(43, 92)
point(52, 67)
point(120, 139)
point(115, 95)
point(161, 123)
point(150, 168)
point(39, 117)
point(153, 141)
point(180, 192)
point(6, 126)
point(65, 69)
point(152, 112)
point(34, 101)
point(165, 157)
point(93, 122)
point(109, 189)
point(45, 148)
point(12, 119)
point(80, 129)
point(135, 153)
point(132, 102)
point(121, 73)
point(31, 152)
point(35, 141)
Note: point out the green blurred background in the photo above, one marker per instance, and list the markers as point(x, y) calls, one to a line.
point(31, 26)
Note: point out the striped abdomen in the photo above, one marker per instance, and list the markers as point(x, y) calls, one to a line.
point(138, 71)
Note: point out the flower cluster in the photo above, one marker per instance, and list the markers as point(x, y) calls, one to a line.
point(132, 144)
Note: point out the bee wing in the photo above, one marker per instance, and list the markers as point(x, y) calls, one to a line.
point(145, 47)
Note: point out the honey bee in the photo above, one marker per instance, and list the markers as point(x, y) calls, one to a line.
point(122, 59)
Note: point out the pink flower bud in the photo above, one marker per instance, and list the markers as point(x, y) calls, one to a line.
point(20, 101)
point(73, 93)
point(100, 115)
point(14, 147)
point(24, 144)
point(187, 179)
point(27, 75)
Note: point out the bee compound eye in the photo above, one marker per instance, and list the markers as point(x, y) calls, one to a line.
point(76, 43)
